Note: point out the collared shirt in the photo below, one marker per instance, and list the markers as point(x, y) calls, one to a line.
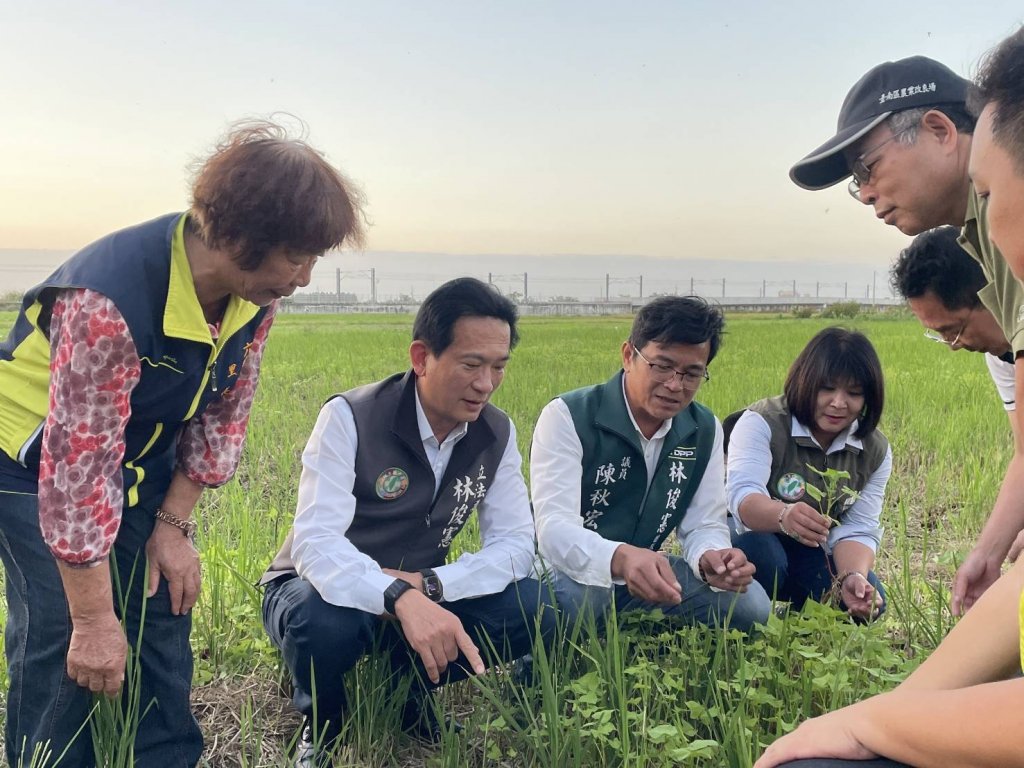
point(1003, 296)
point(326, 507)
point(1004, 377)
point(750, 464)
point(556, 475)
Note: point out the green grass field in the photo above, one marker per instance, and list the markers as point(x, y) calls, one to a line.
point(644, 695)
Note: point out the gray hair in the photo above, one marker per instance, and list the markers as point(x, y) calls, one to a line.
point(905, 124)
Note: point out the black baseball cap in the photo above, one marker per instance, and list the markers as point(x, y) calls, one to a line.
point(890, 87)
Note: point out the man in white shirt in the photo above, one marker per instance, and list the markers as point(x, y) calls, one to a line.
point(391, 474)
point(617, 467)
point(940, 282)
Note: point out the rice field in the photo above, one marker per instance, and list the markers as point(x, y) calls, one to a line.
point(643, 694)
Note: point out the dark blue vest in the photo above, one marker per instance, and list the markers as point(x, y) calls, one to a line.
point(182, 373)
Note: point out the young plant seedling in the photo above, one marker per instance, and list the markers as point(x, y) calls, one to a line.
point(833, 495)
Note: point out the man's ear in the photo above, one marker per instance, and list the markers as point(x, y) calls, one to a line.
point(627, 353)
point(418, 353)
point(938, 124)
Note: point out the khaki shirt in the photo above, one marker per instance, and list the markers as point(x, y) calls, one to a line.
point(1004, 295)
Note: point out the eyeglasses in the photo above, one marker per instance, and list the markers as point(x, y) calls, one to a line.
point(941, 337)
point(665, 373)
point(862, 171)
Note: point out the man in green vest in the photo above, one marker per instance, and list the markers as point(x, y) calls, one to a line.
point(617, 467)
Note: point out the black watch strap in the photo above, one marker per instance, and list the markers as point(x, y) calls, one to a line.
point(432, 585)
point(395, 590)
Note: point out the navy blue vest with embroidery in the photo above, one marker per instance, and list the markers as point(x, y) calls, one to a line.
point(616, 500)
point(180, 377)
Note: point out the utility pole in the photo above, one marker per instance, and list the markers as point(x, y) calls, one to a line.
point(526, 292)
point(723, 287)
point(373, 285)
point(337, 283)
point(607, 287)
point(641, 287)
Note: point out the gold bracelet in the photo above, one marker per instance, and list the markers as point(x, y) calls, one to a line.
point(187, 527)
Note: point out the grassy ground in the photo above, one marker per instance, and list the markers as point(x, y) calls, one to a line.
point(644, 695)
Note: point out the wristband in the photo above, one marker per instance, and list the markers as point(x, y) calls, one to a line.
point(782, 514)
point(187, 527)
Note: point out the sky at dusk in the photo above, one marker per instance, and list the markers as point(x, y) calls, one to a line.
point(658, 129)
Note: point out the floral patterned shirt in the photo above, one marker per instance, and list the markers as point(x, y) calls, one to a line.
point(93, 369)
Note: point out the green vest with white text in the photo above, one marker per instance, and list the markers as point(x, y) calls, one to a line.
point(616, 499)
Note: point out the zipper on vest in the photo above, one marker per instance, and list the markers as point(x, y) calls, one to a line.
point(213, 375)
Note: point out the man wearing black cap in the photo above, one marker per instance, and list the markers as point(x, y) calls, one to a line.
point(904, 137)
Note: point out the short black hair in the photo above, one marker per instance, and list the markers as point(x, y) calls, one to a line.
point(836, 355)
point(462, 297)
point(678, 320)
point(934, 262)
point(1001, 82)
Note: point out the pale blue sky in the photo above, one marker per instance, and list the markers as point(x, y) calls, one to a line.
point(656, 128)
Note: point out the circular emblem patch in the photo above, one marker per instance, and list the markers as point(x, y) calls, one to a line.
point(391, 483)
point(790, 486)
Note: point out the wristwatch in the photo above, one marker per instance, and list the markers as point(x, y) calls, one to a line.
point(432, 585)
point(395, 590)
point(187, 527)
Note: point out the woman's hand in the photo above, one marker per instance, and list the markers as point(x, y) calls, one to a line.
point(96, 655)
point(803, 523)
point(172, 555)
point(826, 736)
point(859, 597)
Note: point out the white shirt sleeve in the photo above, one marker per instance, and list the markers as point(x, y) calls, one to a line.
point(750, 461)
point(704, 526)
point(556, 478)
point(862, 520)
point(322, 553)
point(1002, 374)
point(506, 535)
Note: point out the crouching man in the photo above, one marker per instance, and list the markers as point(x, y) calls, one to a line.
point(391, 474)
point(617, 467)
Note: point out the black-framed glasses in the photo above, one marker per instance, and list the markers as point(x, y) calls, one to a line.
point(862, 171)
point(941, 337)
point(664, 373)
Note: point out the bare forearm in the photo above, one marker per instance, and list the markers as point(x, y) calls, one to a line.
point(983, 647)
point(88, 592)
point(761, 513)
point(182, 495)
point(853, 557)
point(976, 726)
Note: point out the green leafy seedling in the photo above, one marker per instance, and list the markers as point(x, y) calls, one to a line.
point(833, 494)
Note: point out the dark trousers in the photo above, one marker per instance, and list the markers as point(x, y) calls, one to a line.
point(45, 708)
point(321, 641)
point(792, 571)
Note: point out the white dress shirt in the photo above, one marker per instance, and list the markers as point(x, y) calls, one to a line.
point(345, 576)
point(556, 476)
point(750, 467)
point(1004, 377)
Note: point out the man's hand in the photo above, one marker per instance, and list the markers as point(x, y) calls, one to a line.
point(648, 575)
point(860, 597)
point(727, 569)
point(826, 736)
point(976, 574)
point(435, 634)
point(804, 524)
point(96, 656)
point(172, 555)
